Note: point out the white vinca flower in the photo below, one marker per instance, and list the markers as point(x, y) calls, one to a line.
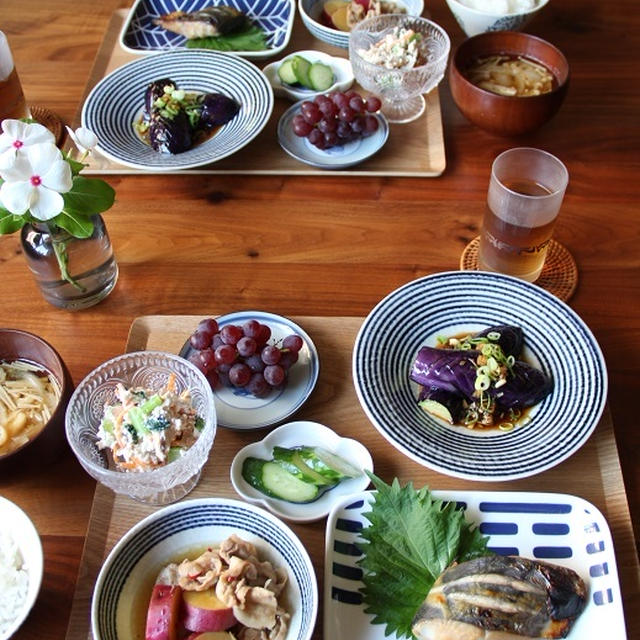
point(83, 138)
point(35, 181)
point(17, 136)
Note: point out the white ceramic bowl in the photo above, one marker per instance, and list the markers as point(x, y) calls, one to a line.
point(473, 21)
point(296, 434)
point(150, 370)
point(19, 527)
point(342, 75)
point(124, 582)
point(311, 10)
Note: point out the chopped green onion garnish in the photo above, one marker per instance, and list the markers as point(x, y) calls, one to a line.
point(493, 335)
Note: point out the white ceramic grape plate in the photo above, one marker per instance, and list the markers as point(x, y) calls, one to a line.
point(342, 75)
point(551, 527)
point(295, 434)
point(238, 409)
point(338, 157)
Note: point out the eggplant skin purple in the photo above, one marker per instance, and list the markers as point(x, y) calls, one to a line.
point(501, 598)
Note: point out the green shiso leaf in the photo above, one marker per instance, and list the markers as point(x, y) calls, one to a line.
point(253, 38)
point(411, 539)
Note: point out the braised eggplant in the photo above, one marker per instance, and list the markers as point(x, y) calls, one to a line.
point(170, 135)
point(511, 338)
point(445, 404)
point(217, 109)
point(446, 369)
point(525, 387)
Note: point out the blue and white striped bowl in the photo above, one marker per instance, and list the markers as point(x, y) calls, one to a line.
point(123, 587)
point(311, 10)
point(116, 102)
point(556, 340)
point(140, 36)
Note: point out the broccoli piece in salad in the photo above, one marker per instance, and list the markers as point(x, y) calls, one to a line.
point(157, 423)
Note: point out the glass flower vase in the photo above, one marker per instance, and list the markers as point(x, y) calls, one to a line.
point(72, 273)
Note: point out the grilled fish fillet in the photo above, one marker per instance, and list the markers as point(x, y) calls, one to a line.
point(212, 21)
point(501, 598)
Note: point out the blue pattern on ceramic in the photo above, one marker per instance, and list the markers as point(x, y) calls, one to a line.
point(140, 35)
point(206, 514)
point(584, 528)
point(116, 102)
point(555, 336)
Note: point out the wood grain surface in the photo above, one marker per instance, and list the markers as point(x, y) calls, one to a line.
point(333, 246)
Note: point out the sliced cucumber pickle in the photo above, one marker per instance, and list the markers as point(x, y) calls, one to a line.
point(286, 73)
point(301, 67)
point(321, 76)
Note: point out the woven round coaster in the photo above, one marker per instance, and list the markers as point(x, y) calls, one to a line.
point(49, 119)
point(559, 274)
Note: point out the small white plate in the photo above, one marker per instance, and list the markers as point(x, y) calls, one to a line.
point(295, 434)
point(342, 74)
point(338, 157)
point(238, 409)
point(17, 524)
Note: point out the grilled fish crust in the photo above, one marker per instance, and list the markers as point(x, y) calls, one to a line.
point(212, 21)
point(501, 597)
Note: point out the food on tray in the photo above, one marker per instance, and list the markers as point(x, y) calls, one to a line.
point(428, 574)
point(410, 540)
point(174, 120)
point(28, 398)
point(514, 596)
point(217, 27)
point(337, 118)
point(297, 70)
point(510, 76)
point(148, 429)
point(501, 7)
point(401, 48)
point(477, 380)
point(14, 582)
point(225, 593)
point(345, 14)
point(297, 474)
point(242, 356)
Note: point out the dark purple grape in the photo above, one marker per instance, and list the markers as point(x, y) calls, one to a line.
point(357, 126)
point(373, 104)
point(327, 125)
point(200, 340)
point(239, 374)
point(251, 329)
point(328, 109)
point(208, 359)
point(223, 368)
point(258, 386)
point(346, 114)
point(293, 342)
point(288, 359)
point(264, 335)
point(213, 378)
point(216, 341)
point(357, 104)
point(255, 363)
point(274, 375)
point(230, 334)
point(351, 93)
point(321, 100)
point(343, 130)
point(371, 125)
point(331, 139)
point(270, 354)
point(223, 377)
point(225, 354)
point(194, 359)
point(311, 114)
point(246, 346)
point(315, 136)
point(301, 127)
point(340, 100)
point(208, 325)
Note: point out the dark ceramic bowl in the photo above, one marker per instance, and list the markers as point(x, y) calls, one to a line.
point(507, 115)
point(50, 442)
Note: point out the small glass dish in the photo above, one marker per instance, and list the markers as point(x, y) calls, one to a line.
point(150, 370)
point(400, 89)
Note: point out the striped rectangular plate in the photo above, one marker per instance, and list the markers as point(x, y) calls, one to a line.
point(553, 527)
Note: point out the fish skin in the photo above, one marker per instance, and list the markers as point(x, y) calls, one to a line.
point(501, 598)
point(212, 21)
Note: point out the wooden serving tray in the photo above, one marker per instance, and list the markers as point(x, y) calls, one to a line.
point(592, 473)
point(415, 149)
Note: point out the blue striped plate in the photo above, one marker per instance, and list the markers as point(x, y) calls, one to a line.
point(556, 340)
point(116, 102)
point(121, 595)
point(140, 36)
point(551, 527)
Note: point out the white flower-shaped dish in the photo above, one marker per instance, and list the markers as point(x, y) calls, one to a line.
point(296, 434)
point(342, 75)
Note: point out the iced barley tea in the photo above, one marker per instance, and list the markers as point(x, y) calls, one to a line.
point(12, 102)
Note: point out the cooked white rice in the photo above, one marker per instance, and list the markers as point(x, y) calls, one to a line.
point(500, 7)
point(14, 582)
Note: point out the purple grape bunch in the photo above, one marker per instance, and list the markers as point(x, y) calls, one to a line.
point(242, 356)
point(336, 118)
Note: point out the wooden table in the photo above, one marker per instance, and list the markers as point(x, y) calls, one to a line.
point(333, 246)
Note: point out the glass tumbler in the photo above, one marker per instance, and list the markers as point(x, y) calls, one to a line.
point(12, 101)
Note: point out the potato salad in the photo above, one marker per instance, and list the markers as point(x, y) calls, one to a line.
point(399, 49)
point(147, 429)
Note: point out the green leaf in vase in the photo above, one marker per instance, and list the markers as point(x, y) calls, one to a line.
point(88, 196)
point(77, 224)
point(9, 222)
